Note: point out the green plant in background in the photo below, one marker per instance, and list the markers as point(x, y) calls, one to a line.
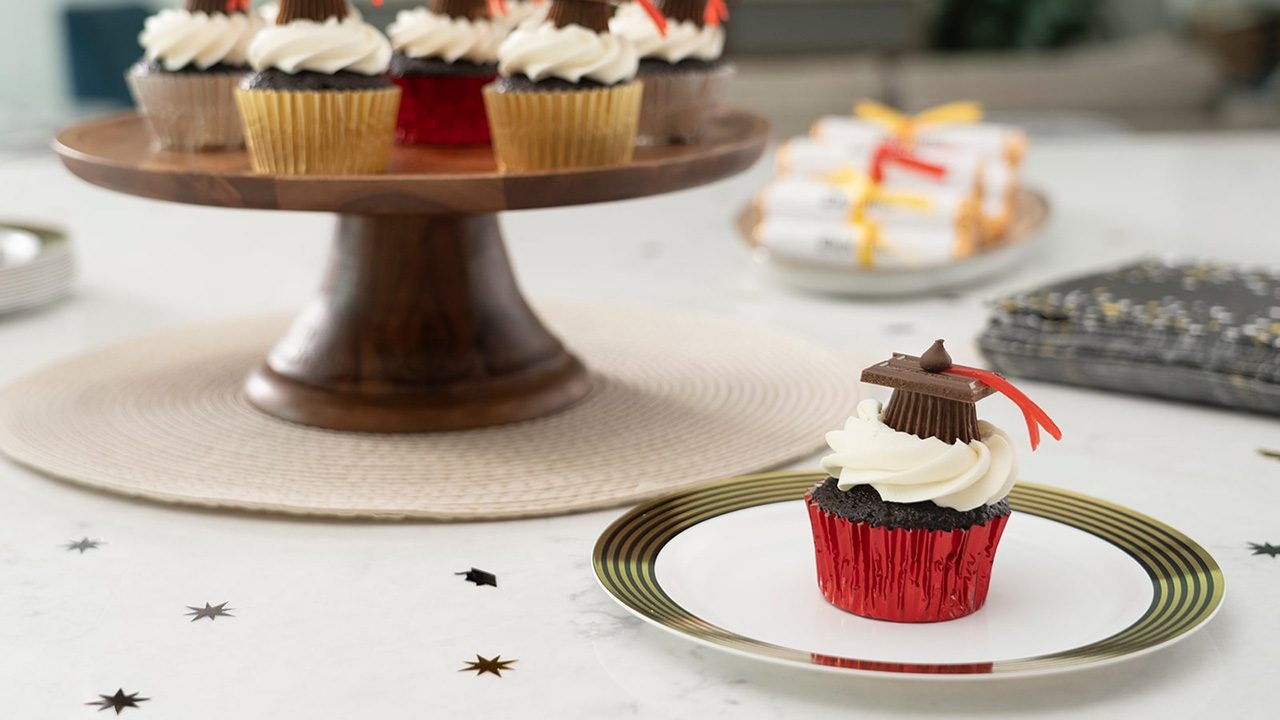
point(1012, 24)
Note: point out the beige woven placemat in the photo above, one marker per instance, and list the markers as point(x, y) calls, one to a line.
point(678, 400)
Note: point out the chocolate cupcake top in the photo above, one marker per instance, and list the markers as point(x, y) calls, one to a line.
point(928, 445)
point(573, 44)
point(322, 36)
point(685, 39)
point(203, 34)
point(450, 30)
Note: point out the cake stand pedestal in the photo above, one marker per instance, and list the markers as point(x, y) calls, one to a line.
point(419, 324)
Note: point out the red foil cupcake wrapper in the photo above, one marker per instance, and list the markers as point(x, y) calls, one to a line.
point(443, 110)
point(903, 575)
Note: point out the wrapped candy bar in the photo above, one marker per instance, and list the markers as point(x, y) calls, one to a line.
point(941, 211)
point(866, 244)
point(962, 170)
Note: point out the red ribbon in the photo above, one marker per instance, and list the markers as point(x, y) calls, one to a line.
point(1031, 412)
point(890, 151)
point(659, 20)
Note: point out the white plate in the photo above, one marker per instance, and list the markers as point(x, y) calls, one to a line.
point(36, 267)
point(1031, 213)
point(1078, 582)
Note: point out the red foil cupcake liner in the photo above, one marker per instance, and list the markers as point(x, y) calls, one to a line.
point(903, 575)
point(442, 110)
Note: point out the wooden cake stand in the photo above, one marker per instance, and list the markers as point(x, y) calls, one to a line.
point(419, 324)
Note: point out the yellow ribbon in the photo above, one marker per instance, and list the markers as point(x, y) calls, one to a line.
point(905, 126)
point(862, 192)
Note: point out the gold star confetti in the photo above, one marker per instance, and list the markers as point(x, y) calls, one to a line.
point(493, 665)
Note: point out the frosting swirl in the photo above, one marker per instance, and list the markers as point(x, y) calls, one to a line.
point(328, 47)
point(178, 38)
point(520, 12)
point(570, 53)
point(904, 468)
point(420, 33)
point(684, 39)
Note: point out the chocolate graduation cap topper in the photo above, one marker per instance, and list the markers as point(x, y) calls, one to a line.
point(933, 397)
point(595, 14)
point(469, 9)
point(225, 7)
point(698, 12)
point(317, 10)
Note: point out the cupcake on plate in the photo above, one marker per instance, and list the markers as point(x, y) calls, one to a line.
point(193, 59)
point(907, 525)
point(567, 96)
point(444, 56)
point(319, 101)
point(685, 78)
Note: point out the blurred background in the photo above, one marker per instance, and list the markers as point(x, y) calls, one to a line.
point(1056, 66)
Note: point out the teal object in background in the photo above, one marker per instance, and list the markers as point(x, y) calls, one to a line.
point(102, 44)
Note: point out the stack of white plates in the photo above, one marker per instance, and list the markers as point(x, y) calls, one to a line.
point(35, 267)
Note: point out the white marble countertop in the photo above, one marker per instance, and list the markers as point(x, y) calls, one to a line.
point(366, 620)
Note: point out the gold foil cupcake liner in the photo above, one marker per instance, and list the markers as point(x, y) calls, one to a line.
point(563, 129)
point(189, 111)
point(319, 132)
point(678, 106)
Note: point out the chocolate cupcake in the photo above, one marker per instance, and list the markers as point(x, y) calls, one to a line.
point(319, 101)
point(444, 56)
point(567, 96)
point(907, 525)
point(184, 84)
point(685, 78)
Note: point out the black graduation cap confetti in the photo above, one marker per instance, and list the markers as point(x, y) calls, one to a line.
point(480, 577)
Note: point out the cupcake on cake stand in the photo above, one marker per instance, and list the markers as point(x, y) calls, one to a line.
point(419, 324)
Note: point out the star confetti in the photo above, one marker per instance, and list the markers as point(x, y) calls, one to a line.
point(1265, 549)
point(213, 612)
point(118, 702)
point(480, 577)
point(82, 544)
point(493, 665)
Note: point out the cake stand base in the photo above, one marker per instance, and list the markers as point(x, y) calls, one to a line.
point(419, 326)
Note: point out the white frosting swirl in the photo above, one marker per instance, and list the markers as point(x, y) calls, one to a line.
point(570, 53)
point(904, 468)
point(522, 12)
point(178, 38)
point(684, 39)
point(328, 47)
point(420, 33)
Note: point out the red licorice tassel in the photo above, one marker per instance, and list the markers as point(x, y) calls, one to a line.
point(715, 13)
point(659, 20)
point(1033, 413)
point(497, 7)
point(891, 151)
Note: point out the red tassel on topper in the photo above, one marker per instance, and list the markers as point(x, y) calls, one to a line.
point(659, 20)
point(715, 13)
point(1031, 412)
point(892, 151)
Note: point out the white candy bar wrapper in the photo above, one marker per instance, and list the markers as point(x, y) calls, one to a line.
point(813, 199)
point(1007, 142)
point(807, 156)
point(839, 244)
